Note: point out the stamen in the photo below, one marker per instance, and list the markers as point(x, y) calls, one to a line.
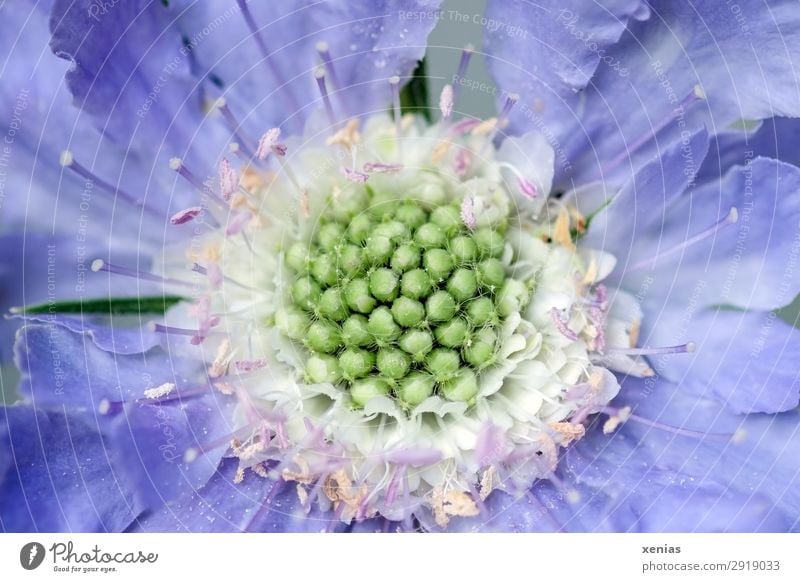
point(686, 348)
point(101, 265)
point(273, 68)
point(186, 215)
point(159, 391)
point(319, 75)
point(228, 179)
point(171, 330)
point(394, 81)
point(67, 160)
point(354, 175)
point(511, 100)
point(561, 326)
point(468, 212)
point(695, 95)
point(269, 144)
point(324, 54)
point(731, 218)
point(236, 150)
point(624, 414)
point(233, 124)
point(446, 101)
point(466, 55)
point(198, 268)
point(381, 168)
point(176, 165)
point(502, 119)
point(250, 365)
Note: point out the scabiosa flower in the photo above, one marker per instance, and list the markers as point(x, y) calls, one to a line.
point(558, 318)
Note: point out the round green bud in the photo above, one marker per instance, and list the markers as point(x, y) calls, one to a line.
point(323, 368)
point(490, 242)
point(463, 249)
point(355, 332)
point(440, 306)
point(429, 235)
point(417, 343)
point(462, 388)
point(323, 336)
point(357, 296)
point(443, 364)
point(305, 293)
point(330, 235)
point(430, 193)
point(393, 229)
point(415, 284)
point(437, 263)
point(480, 311)
point(415, 388)
point(407, 312)
point(405, 257)
point(481, 349)
point(393, 363)
point(382, 325)
point(463, 284)
point(332, 305)
point(351, 260)
point(292, 322)
point(297, 257)
point(448, 218)
point(323, 268)
point(362, 391)
point(512, 297)
point(379, 249)
point(350, 203)
point(356, 363)
point(384, 284)
point(453, 333)
point(491, 273)
point(359, 229)
point(410, 214)
point(383, 205)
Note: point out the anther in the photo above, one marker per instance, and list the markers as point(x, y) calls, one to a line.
point(270, 144)
point(186, 215)
point(446, 101)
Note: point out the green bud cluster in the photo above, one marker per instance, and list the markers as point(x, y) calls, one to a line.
point(399, 298)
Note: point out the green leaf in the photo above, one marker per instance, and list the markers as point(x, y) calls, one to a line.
point(111, 306)
point(414, 96)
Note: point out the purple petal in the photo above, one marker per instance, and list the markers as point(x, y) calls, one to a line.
point(55, 475)
point(748, 360)
point(63, 368)
point(750, 264)
point(639, 85)
point(222, 505)
point(164, 450)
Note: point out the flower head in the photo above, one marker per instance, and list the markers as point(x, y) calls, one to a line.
point(362, 319)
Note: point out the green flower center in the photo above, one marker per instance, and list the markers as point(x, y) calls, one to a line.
point(399, 298)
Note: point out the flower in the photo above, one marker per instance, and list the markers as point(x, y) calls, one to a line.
point(560, 318)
